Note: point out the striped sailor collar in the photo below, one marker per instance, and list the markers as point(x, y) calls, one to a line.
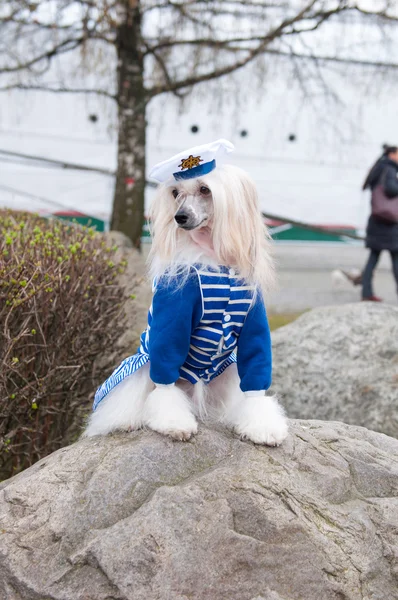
point(222, 269)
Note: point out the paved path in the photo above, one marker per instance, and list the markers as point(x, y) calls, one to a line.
point(305, 276)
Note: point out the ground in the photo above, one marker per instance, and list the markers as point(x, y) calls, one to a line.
point(305, 277)
point(277, 320)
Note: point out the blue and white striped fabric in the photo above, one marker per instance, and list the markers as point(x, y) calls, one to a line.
point(226, 300)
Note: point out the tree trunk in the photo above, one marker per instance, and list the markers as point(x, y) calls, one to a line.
point(128, 202)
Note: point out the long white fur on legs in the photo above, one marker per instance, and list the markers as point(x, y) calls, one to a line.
point(224, 393)
point(260, 419)
point(167, 410)
point(122, 408)
point(198, 397)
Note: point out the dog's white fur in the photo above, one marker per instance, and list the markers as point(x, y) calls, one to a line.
point(230, 231)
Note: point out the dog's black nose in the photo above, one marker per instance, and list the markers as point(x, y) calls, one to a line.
point(181, 218)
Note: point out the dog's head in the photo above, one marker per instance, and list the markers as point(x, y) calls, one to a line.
point(194, 204)
point(217, 212)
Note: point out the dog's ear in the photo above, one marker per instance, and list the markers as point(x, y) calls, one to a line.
point(239, 233)
point(236, 211)
point(162, 208)
point(161, 224)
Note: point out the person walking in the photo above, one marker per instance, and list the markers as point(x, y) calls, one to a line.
point(382, 228)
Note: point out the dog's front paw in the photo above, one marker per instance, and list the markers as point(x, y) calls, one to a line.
point(266, 435)
point(262, 421)
point(179, 429)
point(180, 435)
point(167, 411)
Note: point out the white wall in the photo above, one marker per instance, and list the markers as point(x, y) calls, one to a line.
point(316, 178)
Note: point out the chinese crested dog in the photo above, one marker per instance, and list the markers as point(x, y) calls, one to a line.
point(206, 353)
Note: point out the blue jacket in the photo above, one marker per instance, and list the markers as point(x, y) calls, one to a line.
point(196, 324)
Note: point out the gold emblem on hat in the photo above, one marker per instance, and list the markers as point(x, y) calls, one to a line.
point(190, 162)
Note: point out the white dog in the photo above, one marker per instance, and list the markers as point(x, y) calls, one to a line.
point(211, 264)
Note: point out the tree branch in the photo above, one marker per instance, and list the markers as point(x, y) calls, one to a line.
point(62, 47)
point(381, 14)
point(59, 90)
point(58, 163)
point(165, 71)
point(334, 59)
point(253, 53)
point(208, 42)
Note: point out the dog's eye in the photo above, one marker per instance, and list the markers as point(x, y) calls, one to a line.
point(204, 190)
point(175, 193)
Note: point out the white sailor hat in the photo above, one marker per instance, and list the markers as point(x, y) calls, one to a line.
point(193, 162)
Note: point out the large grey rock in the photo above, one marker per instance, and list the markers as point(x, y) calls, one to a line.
point(340, 363)
point(136, 516)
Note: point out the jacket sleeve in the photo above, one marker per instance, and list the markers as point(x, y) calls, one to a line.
point(176, 311)
point(254, 350)
point(390, 183)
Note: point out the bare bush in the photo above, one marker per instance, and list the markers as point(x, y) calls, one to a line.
point(60, 300)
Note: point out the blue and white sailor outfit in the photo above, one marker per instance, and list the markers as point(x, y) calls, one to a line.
point(200, 324)
point(197, 327)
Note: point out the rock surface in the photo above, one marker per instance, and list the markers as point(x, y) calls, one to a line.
point(340, 363)
point(136, 516)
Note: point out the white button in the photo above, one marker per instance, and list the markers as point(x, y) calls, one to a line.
point(227, 318)
point(232, 272)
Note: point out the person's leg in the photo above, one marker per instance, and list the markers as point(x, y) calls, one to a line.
point(394, 260)
point(367, 275)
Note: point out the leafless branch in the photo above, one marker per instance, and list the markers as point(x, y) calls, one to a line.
point(277, 32)
point(64, 46)
point(164, 69)
point(57, 90)
point(381, 14)
point(335, 59)
point(58, 163)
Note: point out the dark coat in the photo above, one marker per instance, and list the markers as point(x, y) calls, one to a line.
point(381, 235)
